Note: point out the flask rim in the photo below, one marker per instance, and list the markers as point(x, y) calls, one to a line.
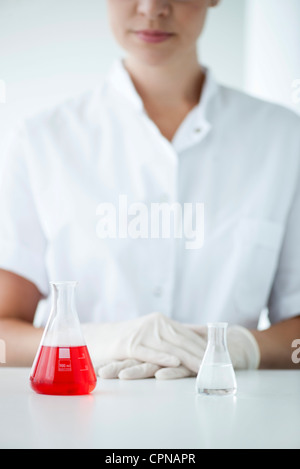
point(217, 324)
point(65, 282)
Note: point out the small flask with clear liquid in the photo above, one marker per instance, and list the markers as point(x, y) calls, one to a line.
point(216, 374)
point(62, 365)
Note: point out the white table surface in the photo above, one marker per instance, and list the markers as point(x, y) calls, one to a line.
point(153, 414)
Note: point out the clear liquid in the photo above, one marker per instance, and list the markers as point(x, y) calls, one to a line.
point(216, 379)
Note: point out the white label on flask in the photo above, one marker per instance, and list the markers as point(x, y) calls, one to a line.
point(64, 359)
point(64, 353)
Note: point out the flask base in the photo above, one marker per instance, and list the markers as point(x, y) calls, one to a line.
point(217, 392)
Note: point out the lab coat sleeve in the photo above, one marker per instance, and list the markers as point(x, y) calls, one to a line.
point(284, 300)
point(22, 241)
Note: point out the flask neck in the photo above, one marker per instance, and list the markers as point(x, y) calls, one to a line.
point(63, 327)
point(64, 299)
point(217, 334)
point(216, 350)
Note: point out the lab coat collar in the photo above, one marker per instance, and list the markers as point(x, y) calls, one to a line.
point(197, 124)
point(194, 128)
point(120, 79)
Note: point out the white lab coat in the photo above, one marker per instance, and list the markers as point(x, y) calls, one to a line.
point(237, 155)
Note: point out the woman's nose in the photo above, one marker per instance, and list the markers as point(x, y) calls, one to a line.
point(154, 8)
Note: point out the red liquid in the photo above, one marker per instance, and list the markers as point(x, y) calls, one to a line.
point(63, 371)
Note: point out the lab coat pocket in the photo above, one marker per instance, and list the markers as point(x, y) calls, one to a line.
point(257, 244)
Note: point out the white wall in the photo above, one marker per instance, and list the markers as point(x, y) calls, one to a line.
point(272, 51)
point(50, 49)
point(222, 46)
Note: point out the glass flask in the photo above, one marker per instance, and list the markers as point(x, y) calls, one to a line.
point(62, 365)
point(216, 374)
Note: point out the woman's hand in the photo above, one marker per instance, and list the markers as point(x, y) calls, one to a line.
point(243, 349)
point(151, 340)
point(134, 369)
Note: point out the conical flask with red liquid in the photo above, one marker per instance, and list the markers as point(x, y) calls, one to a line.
point(62, 365)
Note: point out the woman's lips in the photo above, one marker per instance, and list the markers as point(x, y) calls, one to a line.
point(153, 36)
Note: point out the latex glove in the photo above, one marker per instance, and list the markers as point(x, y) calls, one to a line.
point(134, 369)
point(242, 346)
point(128, 369)
point(153, 339)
